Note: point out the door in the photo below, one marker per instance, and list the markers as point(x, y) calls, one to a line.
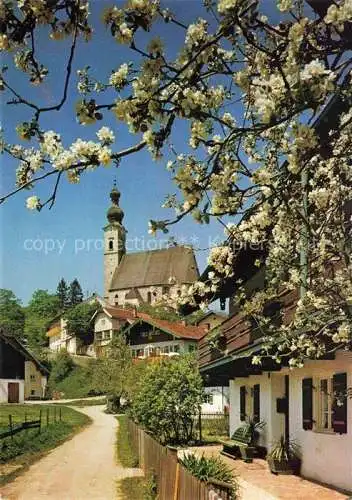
point(13, 392)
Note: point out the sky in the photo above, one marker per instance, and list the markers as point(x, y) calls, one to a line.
point(37, 249)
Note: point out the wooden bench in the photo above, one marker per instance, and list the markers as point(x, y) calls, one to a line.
point(241, 440)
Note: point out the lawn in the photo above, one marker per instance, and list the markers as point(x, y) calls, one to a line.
point(125, 454)
point(18, 452)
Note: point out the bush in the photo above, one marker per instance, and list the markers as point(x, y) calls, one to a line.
point(78, 384)
point(61, 367)
point(168, 399)
point(205, 469)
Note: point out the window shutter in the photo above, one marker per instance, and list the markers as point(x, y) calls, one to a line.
point(339, 408)
point(242, 402)
point(256, 403)
point(307, 403)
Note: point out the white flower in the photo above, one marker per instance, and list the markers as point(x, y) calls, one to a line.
point(104, 156)
point(106, 135)
point(119, 77)
point(33, 202)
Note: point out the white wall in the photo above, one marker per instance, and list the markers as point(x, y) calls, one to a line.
point(265, 404)
point(326, 457)
point(220, 399)
point(4, 389)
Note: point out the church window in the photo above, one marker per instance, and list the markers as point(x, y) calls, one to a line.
point(149, 297)
point(111, 245)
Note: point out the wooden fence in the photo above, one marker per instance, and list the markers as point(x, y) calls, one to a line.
point(174, 482)
point(11, 428)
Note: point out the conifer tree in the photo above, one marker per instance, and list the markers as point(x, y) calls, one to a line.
point(62, 292)
point(75, 294)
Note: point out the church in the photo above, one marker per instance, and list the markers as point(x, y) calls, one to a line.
point(141, 277)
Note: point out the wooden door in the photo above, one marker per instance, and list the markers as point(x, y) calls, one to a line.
point(13, 392)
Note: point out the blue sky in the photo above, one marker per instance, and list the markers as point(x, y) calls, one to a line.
point(37, 249)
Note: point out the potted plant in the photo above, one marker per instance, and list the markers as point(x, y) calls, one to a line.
point(284, 457)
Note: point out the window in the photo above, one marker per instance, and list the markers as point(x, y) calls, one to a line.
point(99, 336)
point(209, 399)
point(32, 392)
point(324, 420)
point(111, 245)
point(324, 403)
point(191, 348)
point(165, 290)
point(149, 297)
point(32, 378)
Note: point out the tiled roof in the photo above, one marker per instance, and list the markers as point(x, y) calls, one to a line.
point(119, 313)
point(179, 329)
point(155, 267)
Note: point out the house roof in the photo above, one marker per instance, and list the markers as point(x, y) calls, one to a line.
point(19, 347)
point(134, 294)
point(178, 329)
point(155, 267)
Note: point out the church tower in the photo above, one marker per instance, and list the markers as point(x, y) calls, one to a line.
point(114, 239)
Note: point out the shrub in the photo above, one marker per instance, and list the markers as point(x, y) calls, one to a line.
point(205, 469)
point(168, 399)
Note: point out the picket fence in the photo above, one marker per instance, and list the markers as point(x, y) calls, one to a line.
point(174, 482)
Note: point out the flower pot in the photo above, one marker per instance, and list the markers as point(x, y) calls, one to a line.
point(292, 466)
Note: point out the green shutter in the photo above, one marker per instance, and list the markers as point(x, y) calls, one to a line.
point(339, 409)
point(307, 403)
point(256, 403)
point(243, 402)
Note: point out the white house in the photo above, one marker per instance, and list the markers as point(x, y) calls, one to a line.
point(21, 374)
point(217, 400)
point(318, 422)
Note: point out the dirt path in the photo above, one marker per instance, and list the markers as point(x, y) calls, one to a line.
point(83, 468)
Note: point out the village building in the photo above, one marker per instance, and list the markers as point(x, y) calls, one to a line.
point(60, 339)
point(141, 277)
point(307, 405)
point(22, 376)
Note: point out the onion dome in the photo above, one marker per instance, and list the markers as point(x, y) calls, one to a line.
point(115, 213)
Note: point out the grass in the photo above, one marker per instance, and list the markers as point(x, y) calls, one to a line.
point(214, 429)
point(88, 402)
point(78, 384)
point(125, 454)
point(132, 487)
point(17, 453)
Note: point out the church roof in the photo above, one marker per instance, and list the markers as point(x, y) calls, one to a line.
point(155, 267)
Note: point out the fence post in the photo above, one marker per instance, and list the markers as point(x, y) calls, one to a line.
point(40, 421)
point(200, 424)
point(10, 426)
point(47, 417)
point(54, 414)
point(177, 481)
point(60, 415)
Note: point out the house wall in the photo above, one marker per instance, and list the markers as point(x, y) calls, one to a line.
point(117, 297)
point(326, 457)
point(184, 346)
point(221, 398)
point(35, 382)
point(4, 389)
point(265, 404)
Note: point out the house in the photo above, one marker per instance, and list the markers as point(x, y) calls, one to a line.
point(107, 322)
point(211, 319)
point(151, 337)
point(60, 339)
point(307, 405)
point(22, 376)
point(141, 277)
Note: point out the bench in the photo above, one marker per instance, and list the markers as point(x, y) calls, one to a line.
point(242, 441)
